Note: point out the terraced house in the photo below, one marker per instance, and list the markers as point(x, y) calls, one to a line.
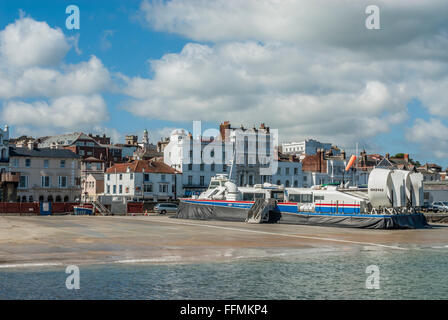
point(142, 180)
point(46, 174)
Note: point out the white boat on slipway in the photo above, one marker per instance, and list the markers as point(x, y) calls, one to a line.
point(391, 201)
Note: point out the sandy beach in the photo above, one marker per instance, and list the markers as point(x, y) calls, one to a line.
point(27, 241)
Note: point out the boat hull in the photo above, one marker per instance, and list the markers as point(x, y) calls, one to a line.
point(237, 211)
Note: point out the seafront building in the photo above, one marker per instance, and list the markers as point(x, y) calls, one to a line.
point(81, 167)
point(92, 178)
point(289, 172)
point(84, 145)
point(308, 147)
point(141, 180)
point(46, 174)
point(4, 149)
point(325, 167)
point(8, 180)
point(199, 159)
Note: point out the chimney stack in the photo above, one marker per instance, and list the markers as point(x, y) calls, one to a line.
point(30, 145)
point(406, 157)
point(222, 130)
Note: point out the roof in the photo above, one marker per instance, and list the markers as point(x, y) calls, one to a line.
point(42, 153)
point(142, 166)
point(65, 139)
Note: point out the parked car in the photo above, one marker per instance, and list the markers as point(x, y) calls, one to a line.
point(440, 206)
point(163, 208)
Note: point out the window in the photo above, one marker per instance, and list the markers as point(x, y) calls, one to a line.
point(251, 180)
point(45, 181)
point(305, 178)
point(120, 177)
point(201, 167)
point(163, 177)
point(120, 189)
point(46, 162)
point(62, 182)
point(23, 183)
point(146, 177)
point(190, 167)
point(62, 163)
point(253, 196)
point(15, 163)
point(190, 180)
point(224, 168)
point(27, 163)
point(212, 167)
point(319, 198)
point(108, 188)
point(114, 189)
point(108, 177)
point(296, 171)
point(201, 179)
point(279, 171)
point(147, 188)
point(306, 198)
point(131, 176)
point(286, 171)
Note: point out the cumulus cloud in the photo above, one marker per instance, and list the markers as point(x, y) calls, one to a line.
point(82, 78)
point(293, 89)
point(66, 112)
point(340, 23)
point(431, 136)
point(57, 95)
point(309, 68)
point(27, 42)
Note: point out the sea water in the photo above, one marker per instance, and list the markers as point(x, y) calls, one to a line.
point(413, 274)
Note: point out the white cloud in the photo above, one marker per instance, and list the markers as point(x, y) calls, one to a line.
point(67, 112)
point(83, 78)
point(309, 68)
point(286, 86)
point(58, 95)
point(431, 136)
point(338, 23)
point(28, 43)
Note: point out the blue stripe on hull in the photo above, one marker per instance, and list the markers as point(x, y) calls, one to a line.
point(290, 208)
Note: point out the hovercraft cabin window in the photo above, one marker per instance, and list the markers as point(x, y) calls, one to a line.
point(302, 198)
point(253, 196)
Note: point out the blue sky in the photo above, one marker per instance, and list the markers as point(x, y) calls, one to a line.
point(309, 73)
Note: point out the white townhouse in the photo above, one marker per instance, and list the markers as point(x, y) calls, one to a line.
point(289, 173)
point(201, 158)
point(142, 180)
point(308, 147)
point(196, 174)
